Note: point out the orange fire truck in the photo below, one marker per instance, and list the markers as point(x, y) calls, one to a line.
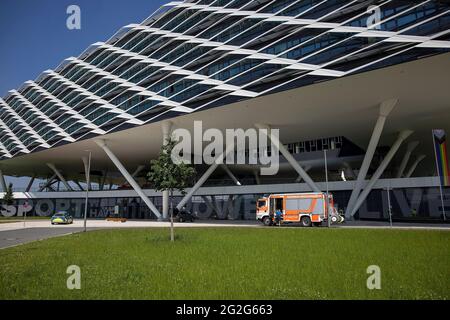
point(306, 208)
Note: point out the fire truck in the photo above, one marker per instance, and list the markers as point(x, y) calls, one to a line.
point(305, 208)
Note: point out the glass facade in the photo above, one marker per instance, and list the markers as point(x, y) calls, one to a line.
point(186, 56)
point(408, 204)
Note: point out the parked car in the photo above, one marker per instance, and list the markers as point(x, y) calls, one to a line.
point(61, 217)
point(183, 215)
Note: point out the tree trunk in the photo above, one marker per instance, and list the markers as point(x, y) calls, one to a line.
point(172, 237)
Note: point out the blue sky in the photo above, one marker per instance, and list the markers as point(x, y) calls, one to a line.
point(34, 36)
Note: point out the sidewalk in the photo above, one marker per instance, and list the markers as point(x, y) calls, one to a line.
point(103, 224)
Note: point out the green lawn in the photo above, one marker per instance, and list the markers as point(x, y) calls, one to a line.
point(231, 263)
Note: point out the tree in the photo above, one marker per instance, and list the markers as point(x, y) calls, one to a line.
point(8, 197)
point(166, 175)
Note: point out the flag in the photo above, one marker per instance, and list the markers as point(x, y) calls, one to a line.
point(440, 149)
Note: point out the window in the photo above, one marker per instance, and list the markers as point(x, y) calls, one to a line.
point(318, 209)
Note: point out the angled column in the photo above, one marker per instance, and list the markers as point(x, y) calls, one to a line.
point(414, 166)
point(48, 183)
point(299, 178)
point(2, 181)
point(219, 160)
point(288, 156)
point(387, 159)
point(138, 170)
point(30, 184)
point(131, 181)
point(166, 128)
point(86, 169)
point(230, 174)
point(385, 108)
point(60, 176)
point(409, 149)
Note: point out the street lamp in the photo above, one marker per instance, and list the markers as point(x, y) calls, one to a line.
point(327, 203)
point(388, 190)
point(88, 176)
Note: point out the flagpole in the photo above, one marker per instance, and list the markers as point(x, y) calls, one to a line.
point(439, 176)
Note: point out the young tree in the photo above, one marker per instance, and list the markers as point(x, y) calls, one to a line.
point(8, 197)
point(166, 175)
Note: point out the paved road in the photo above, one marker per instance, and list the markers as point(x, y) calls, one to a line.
point(10, 238)
point(12, 234)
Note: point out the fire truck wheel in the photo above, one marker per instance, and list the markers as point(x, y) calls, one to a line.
point(266, 221)
point(305, 221)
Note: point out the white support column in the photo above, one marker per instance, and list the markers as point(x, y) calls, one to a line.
point(60, 176)
point(131, 181)
point(409, 149)
point(2, 181)
point(299, 178)
point(86, 165)
point(385, 109)
point(48, 183)
point(166, 128)
point(414, 166)
point(288, 157)
point(387, 159)
point(30, 184)
point(219, 160)
point(138, 170)
point(232, 176)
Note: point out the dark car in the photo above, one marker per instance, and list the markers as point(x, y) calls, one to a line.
point(183, 215)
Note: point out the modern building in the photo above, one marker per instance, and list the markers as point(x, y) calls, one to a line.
point(365, 80)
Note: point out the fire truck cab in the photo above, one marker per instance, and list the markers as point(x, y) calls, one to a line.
point(306, 208)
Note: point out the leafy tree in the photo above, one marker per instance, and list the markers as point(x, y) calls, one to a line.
point(8, 197)
point(166, 175)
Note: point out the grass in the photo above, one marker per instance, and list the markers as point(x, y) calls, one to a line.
point(231, 263)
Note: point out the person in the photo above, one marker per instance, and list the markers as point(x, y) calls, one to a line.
point(278, 217)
